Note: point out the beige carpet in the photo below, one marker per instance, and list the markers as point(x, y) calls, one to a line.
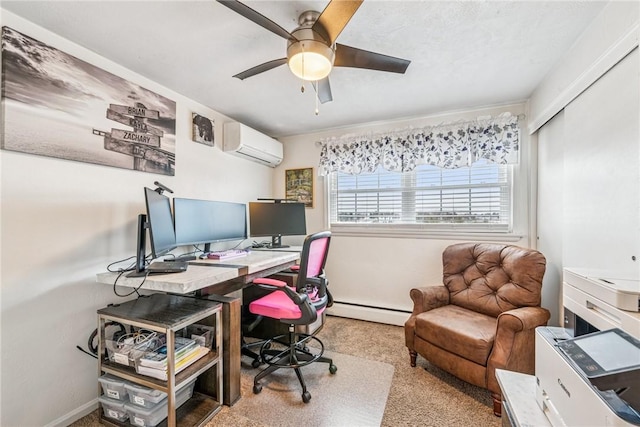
point(421, 396)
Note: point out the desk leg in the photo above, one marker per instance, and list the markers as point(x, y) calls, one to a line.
point(231, 337)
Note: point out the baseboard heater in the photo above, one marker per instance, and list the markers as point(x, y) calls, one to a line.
point(369, 313)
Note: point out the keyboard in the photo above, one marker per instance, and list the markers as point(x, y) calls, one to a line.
point(231, 253)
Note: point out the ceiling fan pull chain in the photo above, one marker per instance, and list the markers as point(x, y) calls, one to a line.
point(317, 90)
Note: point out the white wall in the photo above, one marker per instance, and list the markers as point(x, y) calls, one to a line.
point(62, 223)
point(379, 272)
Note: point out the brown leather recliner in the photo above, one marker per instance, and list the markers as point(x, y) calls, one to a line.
point(484, 316)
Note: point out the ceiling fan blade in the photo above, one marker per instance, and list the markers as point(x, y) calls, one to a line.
point(334, 18)
point(261, 68)
point(347, 56)
point(323, 89)
point(258, 18)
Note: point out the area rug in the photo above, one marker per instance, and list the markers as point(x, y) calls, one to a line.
point(355, 395)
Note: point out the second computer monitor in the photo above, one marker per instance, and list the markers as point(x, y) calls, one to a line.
point(208, 221)
point(160, 221)
point(276, 220)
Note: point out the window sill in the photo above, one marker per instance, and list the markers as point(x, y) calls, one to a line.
point(409, 231)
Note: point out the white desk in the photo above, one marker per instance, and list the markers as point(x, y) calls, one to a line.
point(205, 273)
point(255, 262)
point(287, 249)
point(195, 278)
point(213, 279)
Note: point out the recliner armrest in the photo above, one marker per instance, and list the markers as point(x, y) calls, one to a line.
point(513, 348)
point(428, 297)
point(523, 318)
point(424, 299)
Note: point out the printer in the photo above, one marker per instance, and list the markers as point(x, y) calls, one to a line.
point(596, 300)
point(588, 373)
point(590, 380)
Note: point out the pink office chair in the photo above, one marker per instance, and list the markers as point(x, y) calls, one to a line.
point(295, 306)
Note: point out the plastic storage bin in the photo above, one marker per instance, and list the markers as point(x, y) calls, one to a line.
point(144, 396)
point(113, 387)
point(202, 334)
point(150, 417)
point(113, 408)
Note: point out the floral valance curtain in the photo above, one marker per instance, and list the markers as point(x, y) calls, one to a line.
point(450, 146)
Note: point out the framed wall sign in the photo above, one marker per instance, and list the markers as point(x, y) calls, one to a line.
point(299, 185)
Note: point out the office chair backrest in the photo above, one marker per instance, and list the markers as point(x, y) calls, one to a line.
point(314, 256)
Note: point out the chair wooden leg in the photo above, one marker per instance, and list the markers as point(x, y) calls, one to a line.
point(497, 405)
point(414, 355)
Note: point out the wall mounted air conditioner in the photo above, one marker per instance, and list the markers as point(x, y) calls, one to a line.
point(242, 141)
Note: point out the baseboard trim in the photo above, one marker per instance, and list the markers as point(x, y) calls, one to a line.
point(75, 415)
point(371, 314)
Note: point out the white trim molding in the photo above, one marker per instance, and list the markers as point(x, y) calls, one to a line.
point(418, 231)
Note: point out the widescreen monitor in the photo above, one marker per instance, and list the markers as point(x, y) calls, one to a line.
point(208, 221)
point(160, 222)
point(276, 220)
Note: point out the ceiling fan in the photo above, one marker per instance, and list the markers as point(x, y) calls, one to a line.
point(312, 50)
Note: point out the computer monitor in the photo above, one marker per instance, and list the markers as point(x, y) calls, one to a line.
point(208, 221)
point(276, 220)
point(159, 221)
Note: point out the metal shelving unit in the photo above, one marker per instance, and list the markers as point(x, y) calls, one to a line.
point(168, 314)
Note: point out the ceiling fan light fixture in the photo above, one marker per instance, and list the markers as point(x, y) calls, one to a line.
point(310, 60)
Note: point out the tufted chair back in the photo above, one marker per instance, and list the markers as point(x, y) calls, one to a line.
point(492, 278)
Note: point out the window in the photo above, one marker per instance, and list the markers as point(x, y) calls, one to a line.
point(476, 198)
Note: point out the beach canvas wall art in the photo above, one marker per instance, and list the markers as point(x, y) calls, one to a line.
point(57, 105)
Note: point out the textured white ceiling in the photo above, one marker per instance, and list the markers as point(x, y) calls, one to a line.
point(464, 53)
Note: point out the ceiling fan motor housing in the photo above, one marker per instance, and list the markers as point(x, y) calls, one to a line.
point(310, 57)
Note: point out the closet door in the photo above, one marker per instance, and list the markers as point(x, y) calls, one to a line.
point(601, 194)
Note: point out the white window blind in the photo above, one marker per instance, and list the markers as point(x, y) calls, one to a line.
point(474, 198)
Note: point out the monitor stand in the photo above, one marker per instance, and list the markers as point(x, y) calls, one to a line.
point(276, 242)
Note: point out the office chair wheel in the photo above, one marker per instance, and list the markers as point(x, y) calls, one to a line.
point(333, 369)
point(256, 363)
point(257, 388)
point(306, 397)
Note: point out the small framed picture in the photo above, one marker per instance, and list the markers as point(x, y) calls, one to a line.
point(202, 131)
point(299, 185)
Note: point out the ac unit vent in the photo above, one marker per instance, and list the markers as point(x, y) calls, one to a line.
point(248, 143)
